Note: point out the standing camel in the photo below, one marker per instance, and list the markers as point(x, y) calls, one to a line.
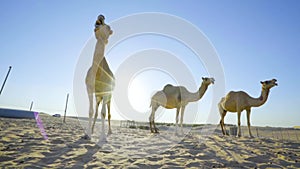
point(100, 80)
point(176, 97)
point(239, 101)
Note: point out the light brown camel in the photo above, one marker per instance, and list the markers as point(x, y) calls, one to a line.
point(176, 97)
point(100, 80)
point(239, 101)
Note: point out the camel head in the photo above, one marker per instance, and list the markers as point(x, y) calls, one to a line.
point(107, 32)
point(208, 81)
point(103, 33)
point(268, 84)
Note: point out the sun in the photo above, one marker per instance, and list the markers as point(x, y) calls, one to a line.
point(138, 96)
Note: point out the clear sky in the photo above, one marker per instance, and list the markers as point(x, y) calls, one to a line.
point(255, 40)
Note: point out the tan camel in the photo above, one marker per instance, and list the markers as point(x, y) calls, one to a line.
point(100, 80)
point(176, 97)
point(239, 101)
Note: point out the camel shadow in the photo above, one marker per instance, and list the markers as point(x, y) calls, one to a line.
point(216, 154)
point(65, 156)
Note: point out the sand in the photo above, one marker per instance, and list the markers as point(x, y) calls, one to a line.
point(23, 146)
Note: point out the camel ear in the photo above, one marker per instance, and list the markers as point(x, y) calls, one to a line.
point(261, 82)
point(202, 78)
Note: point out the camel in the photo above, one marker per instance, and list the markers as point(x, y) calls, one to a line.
point(100, 80)
point(239, 101)
point(176, 97)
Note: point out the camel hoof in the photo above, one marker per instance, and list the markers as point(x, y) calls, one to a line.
point(225, 134)
point(109, 133)
point(102, 142)
point(86, 137)
point(155, 132)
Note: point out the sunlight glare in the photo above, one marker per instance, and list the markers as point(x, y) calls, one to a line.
point(138, 97)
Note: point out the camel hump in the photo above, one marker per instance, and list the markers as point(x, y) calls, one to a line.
point(236, 94)
point(232, 94)
point(172, 91)
point(168, 87)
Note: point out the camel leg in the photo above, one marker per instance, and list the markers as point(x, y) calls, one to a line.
point(154, 126)
point(151, 118)
point(109, 116)
point(90, 86)
point(91, 111)
point(181, 117)
point(103, 113)
point(239, 124)
point(150, 121)
point(96, 114)
point(248, 121)
point(222, 114)
point(177, 118)
point(222, 123)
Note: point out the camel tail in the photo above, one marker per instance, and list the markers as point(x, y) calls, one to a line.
point(151, 103)
point(221, 110)
point(152, 100)
point(155, 99)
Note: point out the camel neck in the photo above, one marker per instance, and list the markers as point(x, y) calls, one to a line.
point(262, 98)
point(98, 54)
point(199, 94)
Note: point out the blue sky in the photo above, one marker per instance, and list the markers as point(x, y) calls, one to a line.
point(255, 41)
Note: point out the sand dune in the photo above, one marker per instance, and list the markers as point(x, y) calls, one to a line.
point(22, 145)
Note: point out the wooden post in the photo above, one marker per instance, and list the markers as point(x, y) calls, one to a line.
point(281, 133)
point(288, 134)
point(257, 132)
point(31, 106)
point(66, 107)
point(5, 79)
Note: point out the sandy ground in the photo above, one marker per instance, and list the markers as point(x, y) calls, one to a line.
point(23, 146)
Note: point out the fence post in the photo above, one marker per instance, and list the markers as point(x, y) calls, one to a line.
point(281, 133)
point(31, 106)
point(66, 107)
point(288, 134)
point(5, 79)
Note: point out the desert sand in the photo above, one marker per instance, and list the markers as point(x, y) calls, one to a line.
point(23, 146)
